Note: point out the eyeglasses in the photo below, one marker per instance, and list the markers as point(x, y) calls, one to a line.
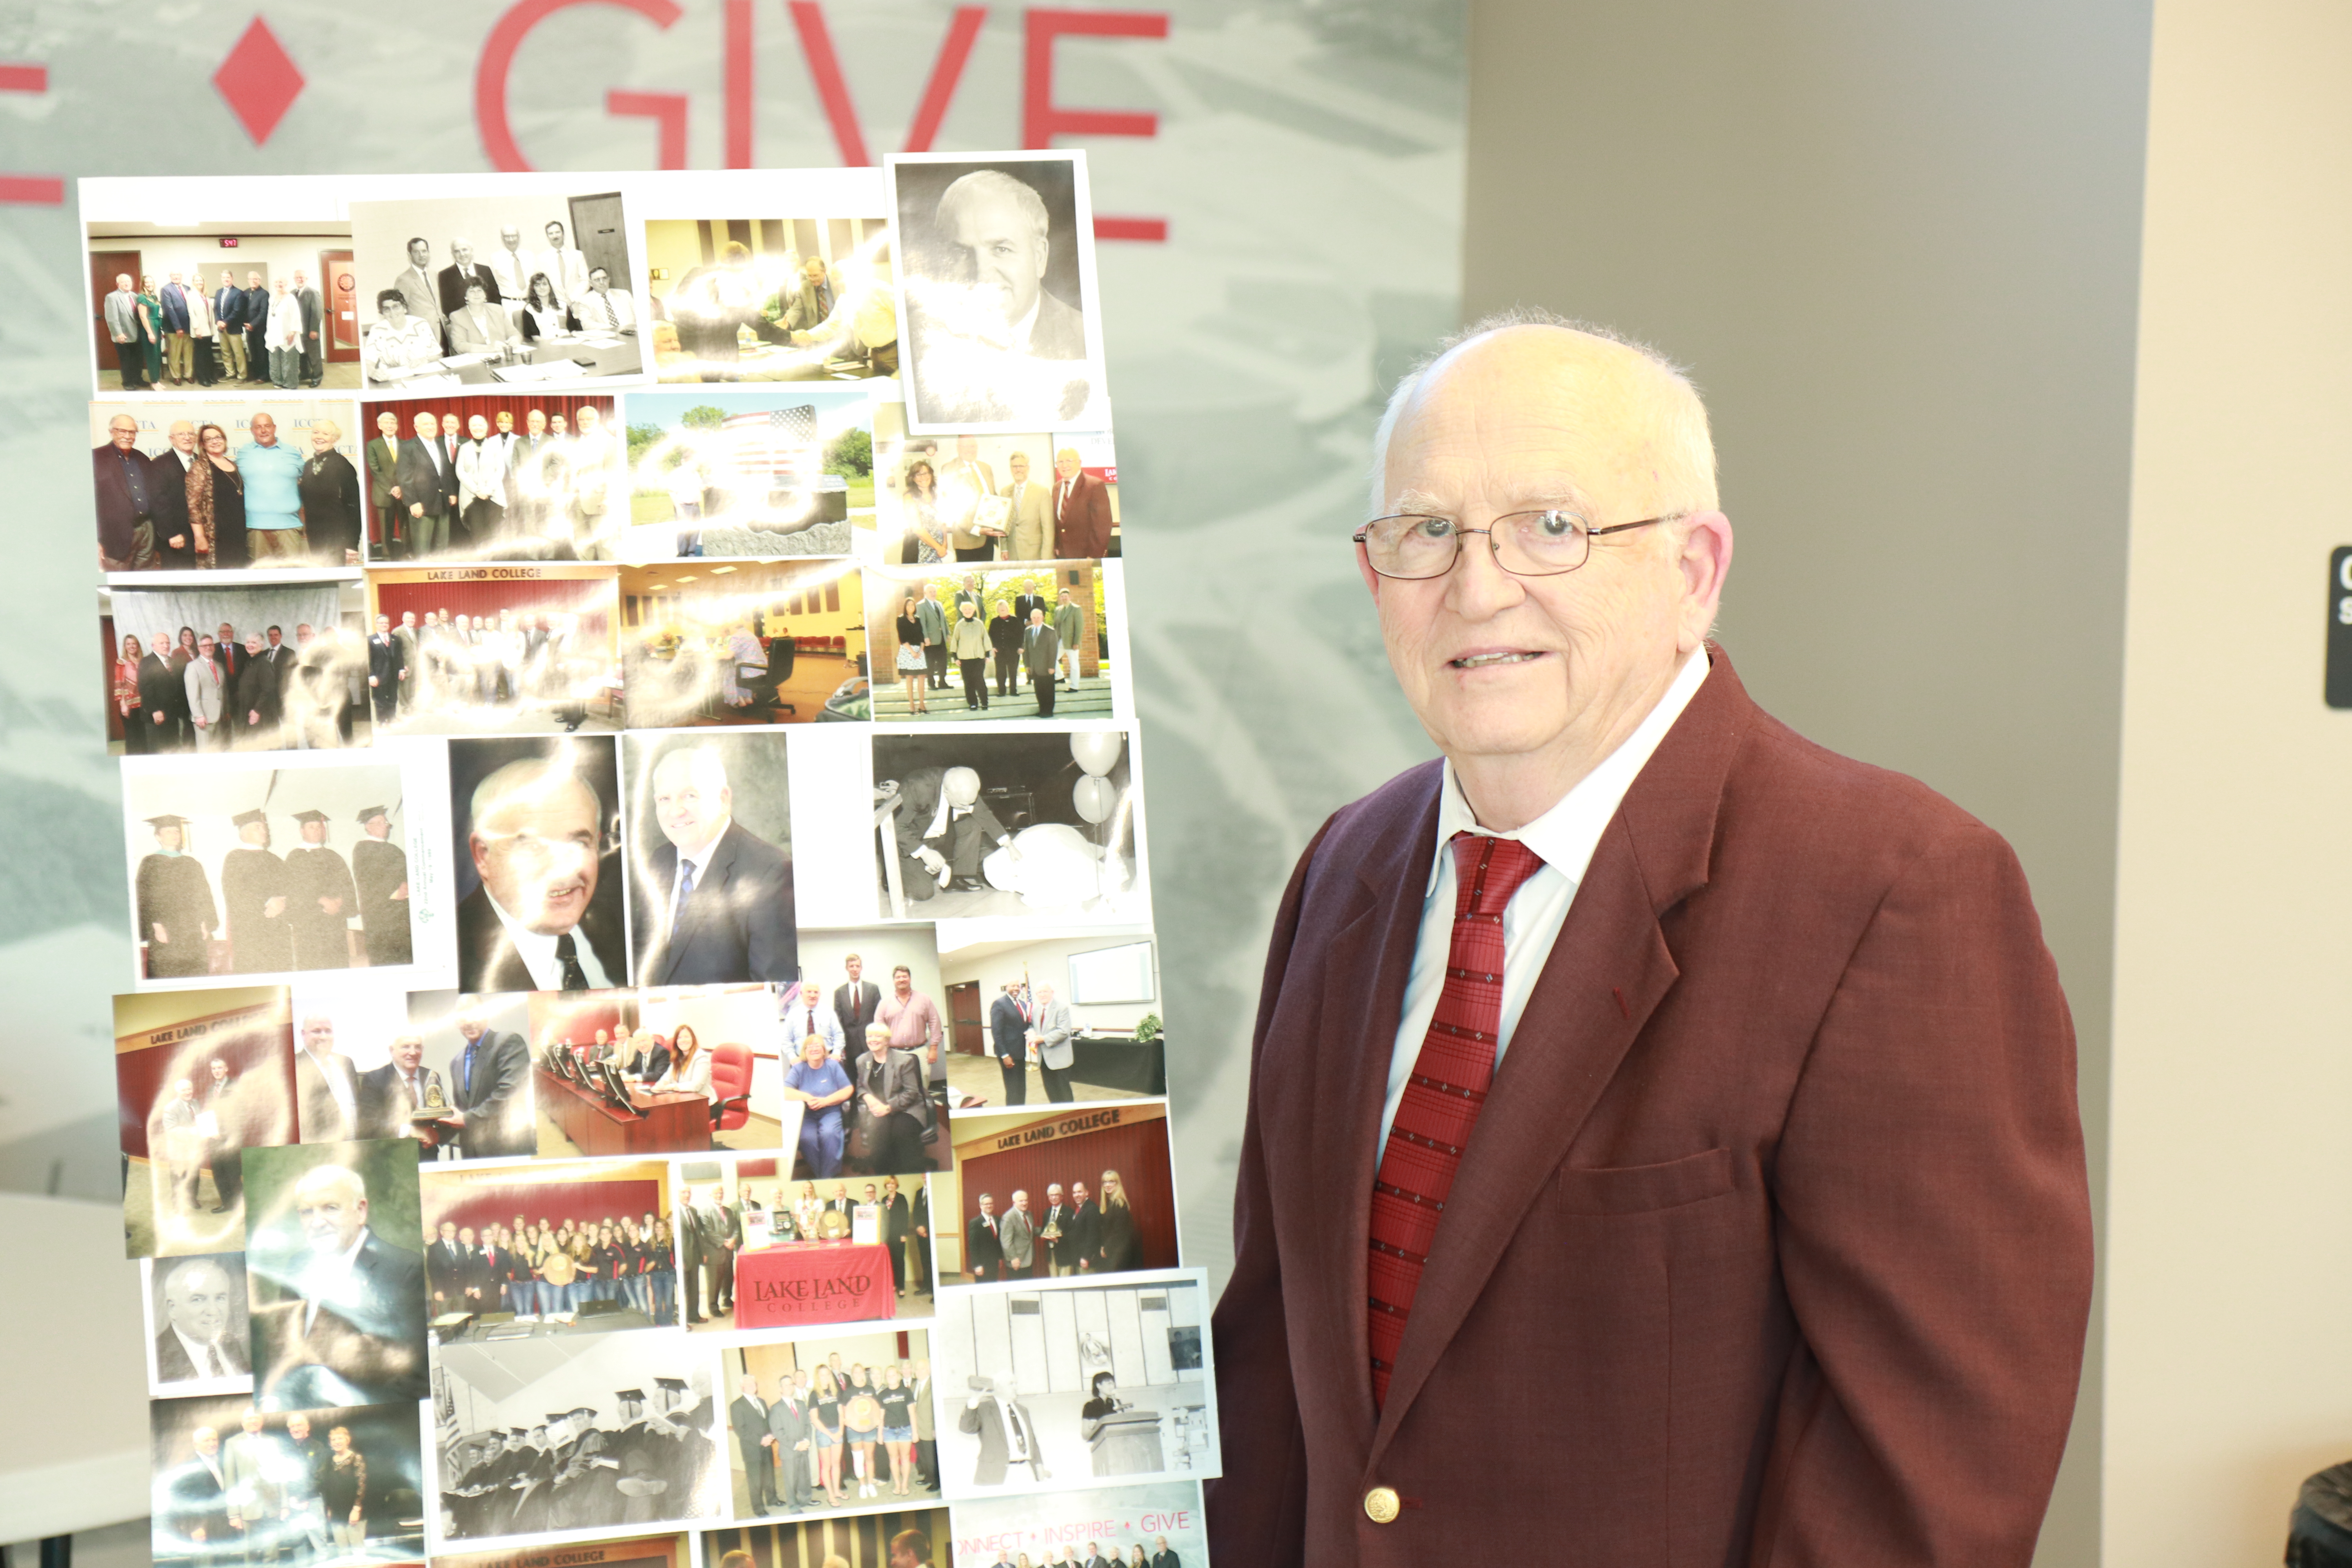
point(1543, 543)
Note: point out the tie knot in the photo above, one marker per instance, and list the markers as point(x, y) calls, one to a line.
point(1487, 871)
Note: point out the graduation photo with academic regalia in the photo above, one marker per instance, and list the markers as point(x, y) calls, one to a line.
point(617, 1430)
point(299, 866)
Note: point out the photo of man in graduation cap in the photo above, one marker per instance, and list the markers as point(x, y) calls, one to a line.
point(254, 886)
point(177, 915)
point(380, 866)
point(324, 901)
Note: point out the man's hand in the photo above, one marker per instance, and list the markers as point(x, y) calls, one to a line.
point(161, 934)
point(401, 892)
point(274, 907)
point(416, 509)
point(372, 680)
point(330, 903)
point(177, 542)
point(932, 859)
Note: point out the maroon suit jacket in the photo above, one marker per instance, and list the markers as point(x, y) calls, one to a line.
point(1082, 526)
point(1772, 1244)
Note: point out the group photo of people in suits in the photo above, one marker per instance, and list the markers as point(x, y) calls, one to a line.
point(1051, 1196)
point(335, 1274)
point(267, 666)
point(237, 1484)
point(516, 649)
point(771, 299)
point(1057, 1380)
point(598, 1431)
point(1155, 1526)
point(974, 823)
point(494, 476)
point(947, 499)
point(215, 893)
point(219, 306)
point(849, 1423)
point(1012, 644)
point(468, 289)
point(771, 642)
point(181, 485)
point(744, 1203)
point(999, 291)
point(564, 1246)
point(718, 1044)
point(201, 1077)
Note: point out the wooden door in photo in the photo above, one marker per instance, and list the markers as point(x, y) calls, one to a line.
point(596, 230)
point(105, 266)
point(341, 289)
point(967, 1025)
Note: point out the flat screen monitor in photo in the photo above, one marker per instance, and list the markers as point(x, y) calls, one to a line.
point(1108, 974)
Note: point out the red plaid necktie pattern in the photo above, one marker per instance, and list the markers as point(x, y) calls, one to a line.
point(1442, 1099)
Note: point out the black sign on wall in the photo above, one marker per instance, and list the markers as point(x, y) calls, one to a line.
point(2340, 628)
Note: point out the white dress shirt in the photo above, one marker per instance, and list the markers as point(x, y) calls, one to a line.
point(1565, 837)
point(204, 1355)
point(537, 951)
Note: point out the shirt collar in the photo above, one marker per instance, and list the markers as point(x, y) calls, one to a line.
point(201, 1352)
point(1027, 324)
point(537, 950)
point(1566, 834)
point(701, 853)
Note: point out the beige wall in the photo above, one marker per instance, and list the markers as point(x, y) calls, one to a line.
point(1897, 247)
point(2230, 1251)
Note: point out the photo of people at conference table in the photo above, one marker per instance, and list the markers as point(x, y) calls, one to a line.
point(569, 1246)
point(486, 477)
point(771, 299)
point(832, 1424)
point(677, 1071)
point(280, 665)
point(762, 1251)
point(1047, 1382)
point(475, 649)
point(744, 642)
point(200, 1078)
point(219, 307)
point(236, 868)
point(183, 486)
point(516, 287)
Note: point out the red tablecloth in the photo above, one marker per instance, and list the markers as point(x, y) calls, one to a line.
point(813, 1282)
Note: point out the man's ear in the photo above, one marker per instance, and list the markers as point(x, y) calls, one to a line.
point(1705, 561)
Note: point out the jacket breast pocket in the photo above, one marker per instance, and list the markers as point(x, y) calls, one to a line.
point(1644, 1189)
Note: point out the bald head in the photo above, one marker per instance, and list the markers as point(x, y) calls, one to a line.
point(1553, 557)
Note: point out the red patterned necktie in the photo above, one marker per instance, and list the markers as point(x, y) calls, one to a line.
point(1441, 1101)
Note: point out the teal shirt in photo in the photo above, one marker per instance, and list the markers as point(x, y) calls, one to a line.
point(272, 495)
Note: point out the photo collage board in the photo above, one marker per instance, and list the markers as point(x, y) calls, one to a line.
point(644, 1033)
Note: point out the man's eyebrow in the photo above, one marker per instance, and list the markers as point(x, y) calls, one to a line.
point(1531, 493)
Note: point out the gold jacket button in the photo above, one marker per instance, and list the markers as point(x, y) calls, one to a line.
point(1381, 1505)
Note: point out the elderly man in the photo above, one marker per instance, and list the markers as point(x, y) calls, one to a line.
point(462, 273)
point(199, 1298)
point(313, 310)
point(535, 922)
point(177, 1140)
point(130, 499)
point(1081, 511)
point(806, 1013)
point(255, 892)
point(349, 1325)
point(891, 1100)
point(1051, 1031)
point(167, 478)
point(1029, 526)
point(715, 905)
point(389, 1094)
point(489, 1091)
point(601, 308)
point(126, 325)
point(256, 330)
point(997, 224)
point(1639, 1019)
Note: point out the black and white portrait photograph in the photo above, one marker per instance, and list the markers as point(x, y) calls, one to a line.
point(334, 1273)
point(492, 475)
point(977, 825)
point(189, 485)
point(280, 665)
point(199, 306)
point(516, 289)
point(198, 1336)
point(236, 1484)
point(536, 844)
point(771, 299)
point(712, 874)
point(999, 291)
point(471, 649)
point(202, 1078)
point(298, 864)
point(584, 1432)
point(1048, 1383)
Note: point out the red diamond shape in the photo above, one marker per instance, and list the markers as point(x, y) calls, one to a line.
point(259, 80)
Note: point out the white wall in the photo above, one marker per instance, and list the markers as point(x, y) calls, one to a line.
point(1047, 963)
point(2229, 1248)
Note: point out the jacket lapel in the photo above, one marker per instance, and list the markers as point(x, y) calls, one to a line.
point(1364, 993)
point(1609, 969)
